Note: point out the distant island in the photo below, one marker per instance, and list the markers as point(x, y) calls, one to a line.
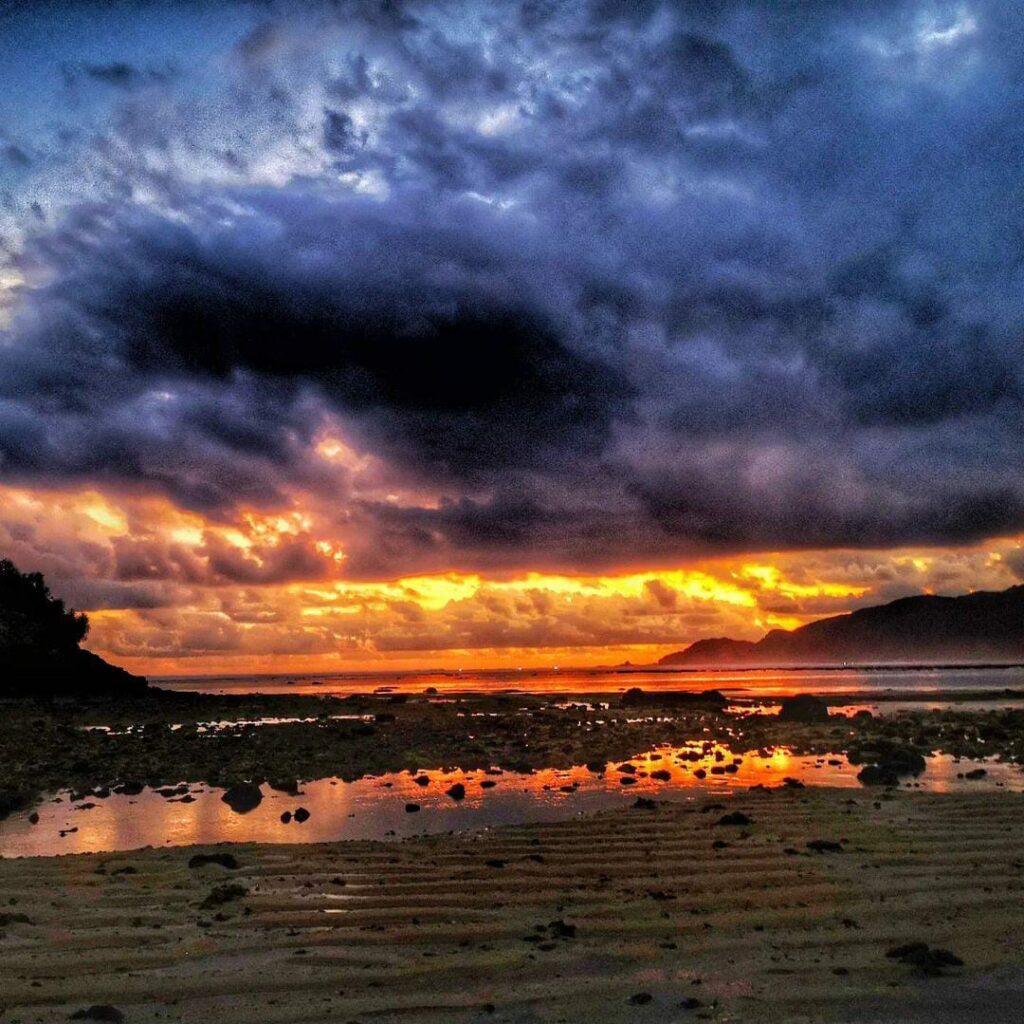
point(39, 645)
point(983, 626)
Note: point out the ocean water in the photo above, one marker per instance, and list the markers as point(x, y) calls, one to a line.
point(752, 682)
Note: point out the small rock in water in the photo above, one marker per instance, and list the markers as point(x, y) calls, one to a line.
point(643, 803)
point(661, 775)
point(422, 780)
point(975, 773)
point(487, 784)
point(640, 998)
point(286, 818)
point(456, 792)
point(411, 808)
point(301, 814)
point(243, 797)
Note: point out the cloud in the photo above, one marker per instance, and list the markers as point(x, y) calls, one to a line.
point(595, 287)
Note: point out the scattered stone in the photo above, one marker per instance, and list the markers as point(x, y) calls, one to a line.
point(224, 860)
point(975, 773)
point(411, 808)
point(927, 960)
point(643, 803)
point(221, 894)
point(824, 846)
point(487, 784)
point(735, 818)
point(661, 775)
point(286, 818)
point(640, 998)
point(101, 1011)
point(301, 815)
point(422, 780)
point(456, 792)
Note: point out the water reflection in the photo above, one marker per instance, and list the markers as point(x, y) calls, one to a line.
point(375, 807)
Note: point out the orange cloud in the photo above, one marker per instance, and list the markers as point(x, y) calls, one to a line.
point(170, 591)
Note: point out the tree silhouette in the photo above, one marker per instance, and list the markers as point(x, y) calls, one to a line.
point(34, 623)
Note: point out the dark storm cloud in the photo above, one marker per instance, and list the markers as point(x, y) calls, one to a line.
point(618, 281)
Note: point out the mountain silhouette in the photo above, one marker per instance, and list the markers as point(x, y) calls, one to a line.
point(980, 627)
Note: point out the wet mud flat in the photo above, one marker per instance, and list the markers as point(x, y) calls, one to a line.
point(780, 905)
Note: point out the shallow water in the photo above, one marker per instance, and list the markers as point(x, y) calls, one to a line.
point(374, 807)
point(749, 682)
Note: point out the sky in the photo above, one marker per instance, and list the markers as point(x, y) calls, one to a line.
point(359, 335)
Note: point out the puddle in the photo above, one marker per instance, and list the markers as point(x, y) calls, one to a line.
point(374, 807)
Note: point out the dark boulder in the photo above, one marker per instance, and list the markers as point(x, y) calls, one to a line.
point(224, 860)
point(243, 797)
point(804, 709)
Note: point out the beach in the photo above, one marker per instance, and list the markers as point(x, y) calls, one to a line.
point(658, 912)
point(671, 857)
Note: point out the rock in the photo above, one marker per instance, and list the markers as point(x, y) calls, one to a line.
point(661, 775)
point(411, 808)
point(627, 768)
point(487, 784)
point(224, 860)
point(6, 920)
point(562, 929)
point(243, 797)
point(222, 894)
point(824, 846)
point(689, 1003)
point(975, 773)
point(456, 792)
point(422, 780)
point(803, 708)
point(289, 786)
point(494, 863)
point(102, 1011)
point(301, 815)
point(640, 998)
point(886, 762)
point(700, 774)
point(927, 960)
point(286, 818)
point(627, 780)
point(643, 803)
point(735, 818)
point(33, 818)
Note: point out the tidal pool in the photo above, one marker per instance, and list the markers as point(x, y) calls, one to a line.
point(374, 807)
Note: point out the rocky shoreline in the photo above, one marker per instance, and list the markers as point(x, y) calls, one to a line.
point(166, 738)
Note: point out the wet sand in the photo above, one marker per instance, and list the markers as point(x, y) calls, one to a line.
point(618, 917)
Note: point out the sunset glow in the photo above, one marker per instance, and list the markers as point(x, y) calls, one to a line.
point(170, 591)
